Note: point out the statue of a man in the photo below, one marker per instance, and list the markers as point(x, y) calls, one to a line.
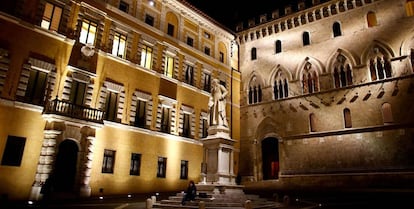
point(217, 104)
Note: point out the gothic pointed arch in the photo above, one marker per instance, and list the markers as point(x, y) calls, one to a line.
point(341, 66)
point(308, 75)
point(279, 68)
point(370, 50)
point(377, 57)
point(279, 81)
point(254, 89)
point(267, 128)
point(267, 149)
point(316, 64)
point(353, 59)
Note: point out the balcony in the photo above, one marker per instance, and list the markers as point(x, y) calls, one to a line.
point(65, 108)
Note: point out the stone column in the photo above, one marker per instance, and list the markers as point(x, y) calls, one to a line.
point(45, 164)
point(87, 143)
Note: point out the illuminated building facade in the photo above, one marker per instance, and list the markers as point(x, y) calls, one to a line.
point(327, 96)
point(108, 97)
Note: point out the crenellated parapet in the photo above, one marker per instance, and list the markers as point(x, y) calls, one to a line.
point(296, 19)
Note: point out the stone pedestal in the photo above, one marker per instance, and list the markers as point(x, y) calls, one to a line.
point(218, 157)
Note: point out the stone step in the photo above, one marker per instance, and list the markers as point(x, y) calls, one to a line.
point(175, 202)
point(219, 204)
point(173, 206)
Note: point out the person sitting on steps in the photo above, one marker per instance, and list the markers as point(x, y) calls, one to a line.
point(190, 194)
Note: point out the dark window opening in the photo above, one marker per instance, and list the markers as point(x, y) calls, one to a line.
point(184, 169)
point(162, 167)
point(170, 29)
point(123, 6)
point(108, 161)
point(149, 20)
point(13, 152)
point(190, 41)
point(254, 54)
point(306, 39)
point(111, 108)
point(140, 114)
point(36, 87)
point(135, 168)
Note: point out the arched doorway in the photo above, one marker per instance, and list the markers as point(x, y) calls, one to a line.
point(270, 158)
point(65, 166)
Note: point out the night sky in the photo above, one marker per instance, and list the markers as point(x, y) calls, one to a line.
point(231, 12)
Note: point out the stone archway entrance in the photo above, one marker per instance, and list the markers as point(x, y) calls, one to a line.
point(65, 167)
point(270, 158)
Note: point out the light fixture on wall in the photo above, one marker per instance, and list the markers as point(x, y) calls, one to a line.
point(151, 3)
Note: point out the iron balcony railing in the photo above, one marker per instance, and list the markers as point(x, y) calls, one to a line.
point(65, 108)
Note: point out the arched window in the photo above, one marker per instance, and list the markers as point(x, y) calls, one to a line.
point(310, 80)
point(380, 67)
point(342, 72)
point(387, 113)
point(278, 46)
point(371, 19)
point(312, 122)
point(280, 86)
point(255, 91)
point(306, 38)
point(347, 118)
point(254, 53)
point(336, 28)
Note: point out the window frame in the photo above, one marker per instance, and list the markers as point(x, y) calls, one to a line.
point(184, 169)
point(13, 151)
point(122, 5)
point(161, 167)
point(169, 66)
point(146, 57)
point(149, 19)
point(135, 167)
point(111, 106)
point(36, 89)
point(141, 113)
point(89, 23)
point(165, 125)
point(119, 41)
point(108, 162)
point(48, 22)
point(77, 96)
point(170, 29)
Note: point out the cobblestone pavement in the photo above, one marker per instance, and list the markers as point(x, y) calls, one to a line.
point(320, 201)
